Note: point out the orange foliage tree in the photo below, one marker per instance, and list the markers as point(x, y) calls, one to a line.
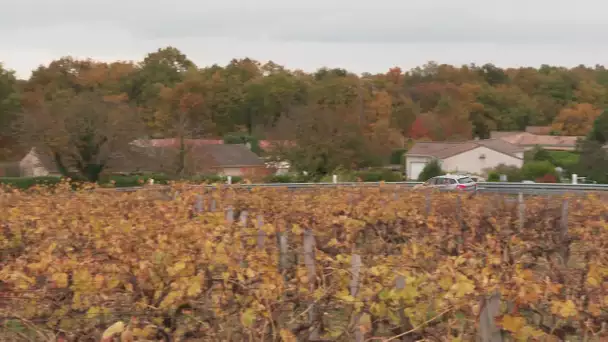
point(576, 120)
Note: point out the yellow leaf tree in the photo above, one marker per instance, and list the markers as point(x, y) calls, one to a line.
point(576, 120)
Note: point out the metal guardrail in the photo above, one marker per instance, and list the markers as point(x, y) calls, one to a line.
point(486, 187)
point(541, 187)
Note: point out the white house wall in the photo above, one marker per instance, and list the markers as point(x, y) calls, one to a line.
point(470, 161)
point(414, 159)
point(232, 171)
point(31, 166)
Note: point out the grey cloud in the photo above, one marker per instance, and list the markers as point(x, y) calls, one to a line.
point(383, 21)
point(361, 35)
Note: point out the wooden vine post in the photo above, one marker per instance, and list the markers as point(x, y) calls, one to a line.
point(564, 249)
point(354, 289)
point(488, 330)
point(522, 210)
point(309, 261)
point(282, 243)
point(261, 236)
point(198, 205)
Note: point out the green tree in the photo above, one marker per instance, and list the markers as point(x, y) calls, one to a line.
point(84, 133)
point(593, 162)
point(540, 154)
point(9, 109)
point(323, 140)
point(503, 108)
point(163, 68)
point(269, 97)
point(599, 131)
point(239, 138)
point(430, 170)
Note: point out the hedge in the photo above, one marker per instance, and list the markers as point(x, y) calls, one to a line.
point(28, 182)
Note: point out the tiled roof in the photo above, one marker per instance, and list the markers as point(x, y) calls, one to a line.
point(541, 130)
point(229, 155)
point(528, 139)
point(444, 150)
point(500, 146)
point(502, 134)
point(174, 142)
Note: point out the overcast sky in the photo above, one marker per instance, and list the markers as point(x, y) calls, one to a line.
point(360, 35)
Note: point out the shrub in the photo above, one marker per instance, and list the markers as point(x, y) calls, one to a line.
point(397, 156)
point(379, 176)
point(432, 169)
point(28, 182)
point(125, 181)
point(493, 176)
point(209, 179)
point(513, 173)
point(288, 178)
point(538, 169)
point(548, 178)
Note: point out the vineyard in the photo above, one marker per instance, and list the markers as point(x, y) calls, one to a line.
point(383, 264)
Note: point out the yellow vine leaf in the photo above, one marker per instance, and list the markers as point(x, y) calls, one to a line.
point(564, 309)
point(99, 281)
point(194, 288)
point(463, 287)
point(114, 329)
point(287, 336)
point(60, 279)
point(178, 267)
point(512, 323)
point(296, 229)
point(126, 336)
point(595, 309)
point(248, 317)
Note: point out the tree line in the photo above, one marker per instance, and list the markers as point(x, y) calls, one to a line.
point(83, 111)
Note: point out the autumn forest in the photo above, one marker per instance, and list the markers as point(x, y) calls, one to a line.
point(336, 118)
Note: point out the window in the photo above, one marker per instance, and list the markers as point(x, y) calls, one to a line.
point(465, 180)
point(452, 181)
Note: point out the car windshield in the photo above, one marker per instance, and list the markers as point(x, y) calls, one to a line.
point(465, 180)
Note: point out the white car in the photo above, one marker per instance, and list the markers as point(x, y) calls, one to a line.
point(449, 183)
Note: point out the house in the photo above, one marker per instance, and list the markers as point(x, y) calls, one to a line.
point(206, 156)
point(231, 160)
point(273, 166)
point(468, 157)
point(36, 164)
point(228, 160)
